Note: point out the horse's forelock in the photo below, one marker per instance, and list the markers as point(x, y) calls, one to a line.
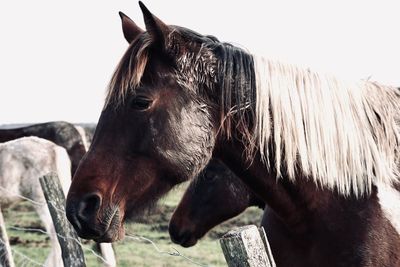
point(129, 71)
point(193, 55)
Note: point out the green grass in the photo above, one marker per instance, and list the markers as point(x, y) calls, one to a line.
point(130, 252)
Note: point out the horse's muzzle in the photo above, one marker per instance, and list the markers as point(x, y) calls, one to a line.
point(179, 236)
point(89, 222)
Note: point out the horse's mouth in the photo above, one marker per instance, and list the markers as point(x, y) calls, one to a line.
point(115, 230)
point(185, 240)
point(189, 242)
point(109, 229)
point(111, 235)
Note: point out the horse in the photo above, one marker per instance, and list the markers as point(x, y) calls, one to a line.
point(215, 196)
point(321, 153)
point(60, 132)
point(22, 162)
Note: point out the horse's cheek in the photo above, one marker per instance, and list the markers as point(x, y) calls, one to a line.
point(184, 141)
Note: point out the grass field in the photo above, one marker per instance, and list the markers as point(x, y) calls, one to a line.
point(129, 252)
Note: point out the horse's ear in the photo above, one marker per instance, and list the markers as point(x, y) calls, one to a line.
point(157, 29)
point(130, 29)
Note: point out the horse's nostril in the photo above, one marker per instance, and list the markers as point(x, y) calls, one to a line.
point(71, 215)
point(89, 206)
point(86, 217)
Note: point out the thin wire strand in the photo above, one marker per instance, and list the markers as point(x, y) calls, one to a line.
point(52, 203)
point(175, 254)
point(22, 197)
point(16, 252)
point(37, 203)
point(37, 230)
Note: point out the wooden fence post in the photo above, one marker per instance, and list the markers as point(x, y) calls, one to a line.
point(243, 247)
point(72, 252)
point(6, 259)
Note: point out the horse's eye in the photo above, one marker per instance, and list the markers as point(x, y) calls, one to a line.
point(140, 103)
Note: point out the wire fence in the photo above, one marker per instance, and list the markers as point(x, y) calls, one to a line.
point(41, 231)
point(21, 259)
point(175, 253)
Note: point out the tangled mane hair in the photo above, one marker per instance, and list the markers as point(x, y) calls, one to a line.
point(343, 136)
point(129, 71)
point(212, 69)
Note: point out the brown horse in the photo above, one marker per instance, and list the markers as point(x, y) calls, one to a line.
point(61, 133)
point(215, 196)
point(322, 153)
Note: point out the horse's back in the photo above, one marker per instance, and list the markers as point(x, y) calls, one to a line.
point(24, 160)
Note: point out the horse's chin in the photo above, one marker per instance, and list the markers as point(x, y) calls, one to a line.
point(112, 235)
point(115, 230)
point(185, 240)
point(189, 242)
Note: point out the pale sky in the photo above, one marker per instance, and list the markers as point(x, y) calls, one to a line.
point(56, 58)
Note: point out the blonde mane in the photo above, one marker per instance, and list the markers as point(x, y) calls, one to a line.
point(343, 136)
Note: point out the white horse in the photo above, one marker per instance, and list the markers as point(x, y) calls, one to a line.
point(22, 162)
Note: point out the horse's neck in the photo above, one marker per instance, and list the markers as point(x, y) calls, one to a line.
point(11, 134)
point(278, 195)
point(321, 227)
point(38, 130)
point(298, 204)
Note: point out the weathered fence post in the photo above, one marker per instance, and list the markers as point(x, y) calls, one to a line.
point(6, 259)
point(243, 247)
point(72, 252)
